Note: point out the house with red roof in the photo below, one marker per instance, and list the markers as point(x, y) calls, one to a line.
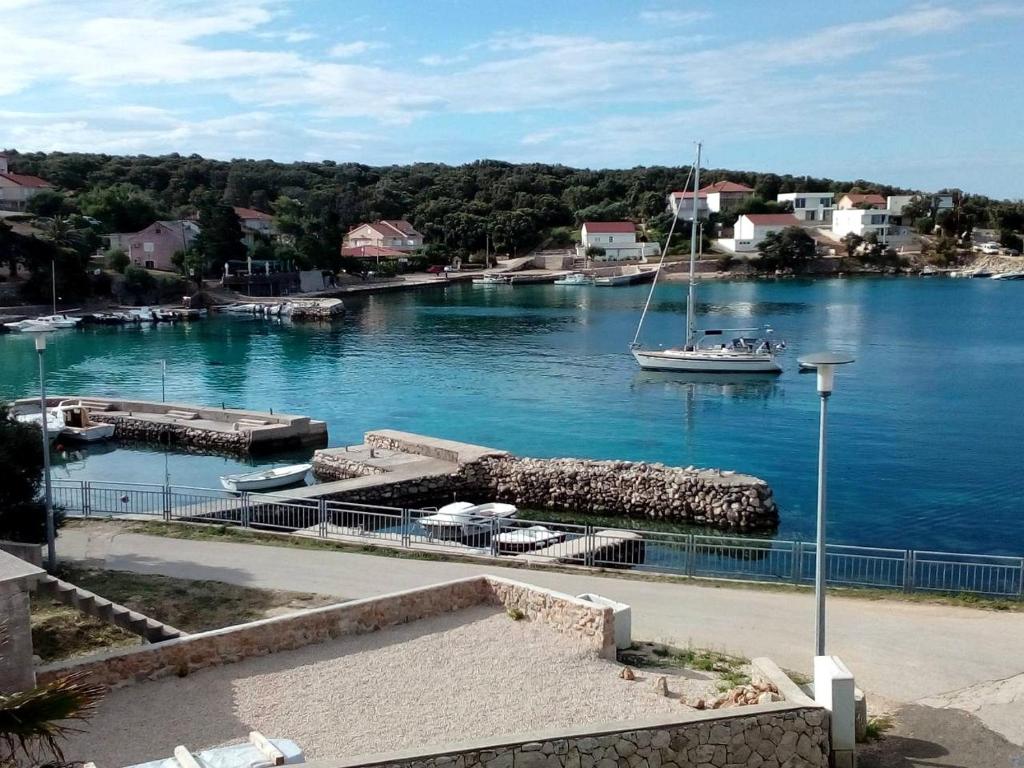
point(720, 197)
point(392, 234)
point(16, 189)
point(256, 225)
point(751, 228)
point(855, 200)
point(617, 240)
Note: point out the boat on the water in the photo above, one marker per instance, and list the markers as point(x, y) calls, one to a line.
point(702, 351)
point(576, 278)
point(527, 539)
point(461, 519)
point(54, 421)
point(78, 426)
point(492, 280)
point(275, 477)
point(31, 326)
point(1009, 276)
point(59, 321)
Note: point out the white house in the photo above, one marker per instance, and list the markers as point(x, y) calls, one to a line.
point(617, 239)
point(16, 189)
point(751, 228)
point(397, 234)
point(810, 206)
point(863, 222)
point(722, 196)
point(256, 225)
point(858, 200)
point(938, 203)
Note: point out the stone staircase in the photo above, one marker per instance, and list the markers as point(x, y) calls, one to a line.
point(92, 604)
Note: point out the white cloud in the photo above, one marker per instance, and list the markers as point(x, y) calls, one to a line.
point(437, 60)
point(673, 17)
point(356, 48)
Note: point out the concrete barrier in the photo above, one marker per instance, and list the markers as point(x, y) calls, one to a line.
point(834, 690)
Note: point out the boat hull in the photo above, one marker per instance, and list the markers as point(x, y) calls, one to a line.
point(91, 434)
point(705, 362)
point(258, 481)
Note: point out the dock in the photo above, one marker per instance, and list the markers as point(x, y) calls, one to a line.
point(601, 548)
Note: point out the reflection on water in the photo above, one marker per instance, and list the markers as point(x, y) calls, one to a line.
point(760, 386)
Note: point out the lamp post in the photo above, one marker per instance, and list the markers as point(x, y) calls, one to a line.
point(51, 548)
point(825, 364)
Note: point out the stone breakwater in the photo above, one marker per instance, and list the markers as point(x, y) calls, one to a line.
point(628, 488)
point(725, 500)
point(792, 737)
point(141, 430)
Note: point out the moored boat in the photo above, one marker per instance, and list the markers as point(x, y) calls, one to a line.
point(31, 326)
point(576, 278)
point(461, 519)
point(1009, 276)
point(265, 479)
point(527, 539)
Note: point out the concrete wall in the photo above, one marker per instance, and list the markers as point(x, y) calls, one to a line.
point(16, 579)
point(589, 625)
point(30, 553)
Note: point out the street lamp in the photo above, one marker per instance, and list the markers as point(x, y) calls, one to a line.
point(51, 548)
point(825, 364)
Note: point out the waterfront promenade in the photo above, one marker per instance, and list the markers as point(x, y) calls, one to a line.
point(899, 651)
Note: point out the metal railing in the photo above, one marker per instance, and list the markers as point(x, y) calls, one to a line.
point(728, 557)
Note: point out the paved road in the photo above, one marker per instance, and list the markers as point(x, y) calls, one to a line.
point(899, 651)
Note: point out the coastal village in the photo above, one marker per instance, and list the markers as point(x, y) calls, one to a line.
point(350, 458)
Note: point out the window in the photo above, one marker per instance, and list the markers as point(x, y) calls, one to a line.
point(611, 238)
point(878, 218)
point(826, 202)
point(800, 202)
point(150, 264)
point(809, 215)
point(147, 247)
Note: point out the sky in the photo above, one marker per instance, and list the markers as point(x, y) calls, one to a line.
point(922, 95)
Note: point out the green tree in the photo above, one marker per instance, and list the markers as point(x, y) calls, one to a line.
point(49, 202)
point(138, 284)
point(220, 235)
point(852, 241)
point(116, 259)
point(789, 249)
point(22, 515)
point(120, 207)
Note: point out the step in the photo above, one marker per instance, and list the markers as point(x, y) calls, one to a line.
point(183, 415)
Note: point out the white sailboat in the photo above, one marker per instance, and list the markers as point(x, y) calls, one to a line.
point(704, 351)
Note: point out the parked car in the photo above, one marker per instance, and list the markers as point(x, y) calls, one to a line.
point(990, 249)
point(436, 269)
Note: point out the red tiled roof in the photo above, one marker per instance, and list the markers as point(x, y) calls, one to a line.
point(610, 226)
point(688, 194)
point(773, 218)
point(252, 213)
point(873, 199)
point(371, 252)
point(726, 186)
point(24, 180)
point(392, 228)
point(403, 226)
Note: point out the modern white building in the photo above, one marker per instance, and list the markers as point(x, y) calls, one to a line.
point(810, 206)
point(617, 239)
point(938, 203)
point(863, 222)
point(752, 228)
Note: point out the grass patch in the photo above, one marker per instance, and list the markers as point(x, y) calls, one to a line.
point(731, 670)
point(515, 614)
point(63, 632)
point(876, 727)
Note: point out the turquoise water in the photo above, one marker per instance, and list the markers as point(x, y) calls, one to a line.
point(926, 427)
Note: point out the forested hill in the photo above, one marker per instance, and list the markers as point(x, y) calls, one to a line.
point(551, 195)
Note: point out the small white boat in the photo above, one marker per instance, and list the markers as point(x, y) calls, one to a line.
point(78, 425)
point(59, 321)
point(275, 477)
point(141, 314)
point(54, 420)
point(527, 539)
point(492, 280)
point(576, 278)
point(462, 518)
point(1009, 276)
point(31, 326)
point(241, 309)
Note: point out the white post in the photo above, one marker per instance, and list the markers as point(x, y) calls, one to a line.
point(692, 298)
point(51, 547)
point(820, 563)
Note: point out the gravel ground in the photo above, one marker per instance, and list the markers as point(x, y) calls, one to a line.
point(456, 677)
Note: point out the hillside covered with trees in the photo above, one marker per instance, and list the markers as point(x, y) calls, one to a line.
point(457, 208)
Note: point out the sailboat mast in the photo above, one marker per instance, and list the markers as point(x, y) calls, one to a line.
point(691, 300)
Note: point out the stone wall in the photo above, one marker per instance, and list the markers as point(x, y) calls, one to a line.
point(775, 735)
point(589, 625)
point(334, 466)
point(725, 500)
point(142, 430)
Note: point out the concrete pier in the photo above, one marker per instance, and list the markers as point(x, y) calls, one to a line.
point(228, 429)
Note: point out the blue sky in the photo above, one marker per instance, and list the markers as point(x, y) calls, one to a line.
point(925, 95)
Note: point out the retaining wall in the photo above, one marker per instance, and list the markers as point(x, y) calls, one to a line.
point(590, 625)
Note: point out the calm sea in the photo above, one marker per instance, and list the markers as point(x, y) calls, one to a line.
point(926, 427)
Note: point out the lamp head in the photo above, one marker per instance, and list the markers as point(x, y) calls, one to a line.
point(825, 364)
point(40, 339)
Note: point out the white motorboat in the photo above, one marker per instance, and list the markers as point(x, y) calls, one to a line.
point(462, 519)
point(746, 354)
point(142, 314)
point(275, 477)
point(241, 309)
point(492, 280)
point(54, 420)
point(527, 539)
point(59, 321)
point(78, 425)
point(31, 326)
point(1009, 276)
point(576, 278)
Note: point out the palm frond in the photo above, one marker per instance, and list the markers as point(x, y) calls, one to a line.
point(33, 722)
